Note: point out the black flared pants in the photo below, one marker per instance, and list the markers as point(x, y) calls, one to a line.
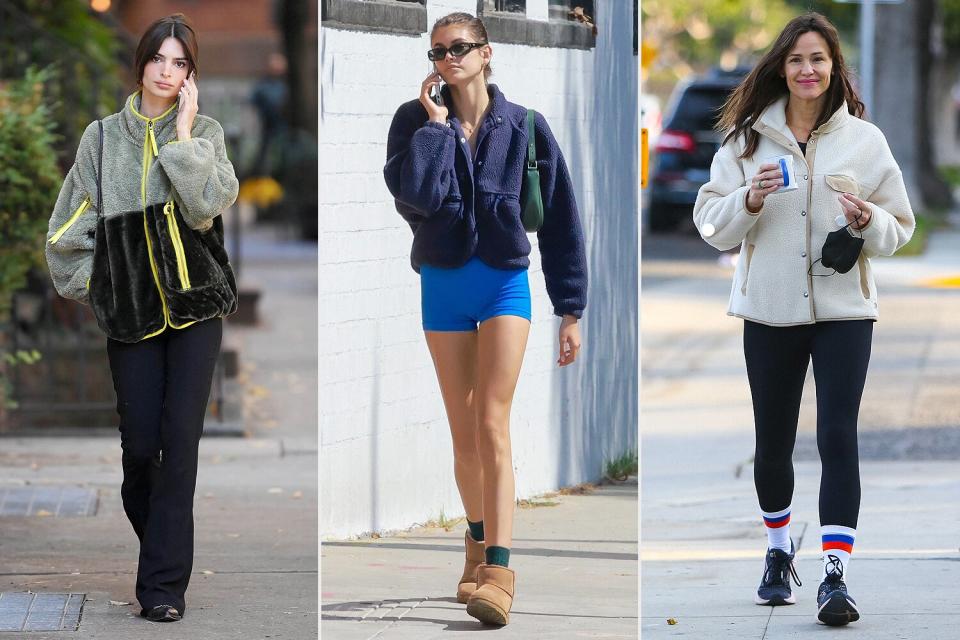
point(163, 386)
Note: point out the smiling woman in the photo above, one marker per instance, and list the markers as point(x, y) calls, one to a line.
point(799, 103)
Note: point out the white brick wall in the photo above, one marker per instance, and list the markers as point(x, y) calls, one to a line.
point(386, 460)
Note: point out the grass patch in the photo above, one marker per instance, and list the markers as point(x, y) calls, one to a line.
point(619, 469)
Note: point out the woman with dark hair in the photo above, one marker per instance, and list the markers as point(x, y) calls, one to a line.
point(455, 165)
point(802, 179)
point(136, 233)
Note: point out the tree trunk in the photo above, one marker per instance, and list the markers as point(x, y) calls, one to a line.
point(933, 189)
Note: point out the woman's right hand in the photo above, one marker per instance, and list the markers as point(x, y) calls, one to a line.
point(436, 112)
point(772, 179)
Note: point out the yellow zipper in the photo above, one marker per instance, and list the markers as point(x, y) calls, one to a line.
point(177, 246)
point(150, 144)
point(69, 223)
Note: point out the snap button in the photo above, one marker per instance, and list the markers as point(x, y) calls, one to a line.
point(464, 140)
point(806, 295)
point(804, 177)
point(499, 119)
point(803, 255)
point(803, 213)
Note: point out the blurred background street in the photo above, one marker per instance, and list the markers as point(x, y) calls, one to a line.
point(68, 555)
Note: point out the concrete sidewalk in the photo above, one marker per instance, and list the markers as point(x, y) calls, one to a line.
point(576, 566)
point(703, 541)
point(255, 557)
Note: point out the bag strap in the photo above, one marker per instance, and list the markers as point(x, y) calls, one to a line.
point(100, 172)
point(531, 141)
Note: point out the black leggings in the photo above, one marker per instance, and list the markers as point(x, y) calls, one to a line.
point(777, 359)
point(163, 385)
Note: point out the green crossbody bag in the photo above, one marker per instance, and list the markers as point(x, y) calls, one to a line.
point(531, 202)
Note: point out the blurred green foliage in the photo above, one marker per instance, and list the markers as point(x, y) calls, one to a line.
point(68, 37)
point(693, 35)
point(29, 179)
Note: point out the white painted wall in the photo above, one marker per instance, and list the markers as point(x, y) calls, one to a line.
point(385, 454)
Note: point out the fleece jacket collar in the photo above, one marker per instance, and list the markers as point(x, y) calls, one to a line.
point(134, 124)
point(496, 116)
point(773, 122)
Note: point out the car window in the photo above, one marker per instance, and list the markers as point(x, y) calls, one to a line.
point(698, 109)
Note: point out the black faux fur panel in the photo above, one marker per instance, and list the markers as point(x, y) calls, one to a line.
point(123, 290)
point(212, 291)
point(123, 293)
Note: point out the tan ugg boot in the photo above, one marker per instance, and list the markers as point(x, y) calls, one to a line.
point(475, 557)
point(492, 600)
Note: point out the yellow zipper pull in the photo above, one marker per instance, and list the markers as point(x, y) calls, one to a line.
point(153, 139)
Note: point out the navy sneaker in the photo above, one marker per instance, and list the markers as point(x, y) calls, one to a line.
point(835, 607)
point(774, 590)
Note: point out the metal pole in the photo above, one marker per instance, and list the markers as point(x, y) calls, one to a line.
point(867, 29)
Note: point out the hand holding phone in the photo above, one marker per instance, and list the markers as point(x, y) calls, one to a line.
point(431, 98)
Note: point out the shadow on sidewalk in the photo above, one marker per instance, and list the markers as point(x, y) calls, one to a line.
point(543, 553)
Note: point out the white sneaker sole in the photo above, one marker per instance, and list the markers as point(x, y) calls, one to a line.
point(775, 602)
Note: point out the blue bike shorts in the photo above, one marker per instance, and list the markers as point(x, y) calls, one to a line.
point(460, 299)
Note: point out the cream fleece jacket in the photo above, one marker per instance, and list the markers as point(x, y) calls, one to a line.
point(143, 164)
point(778, 245)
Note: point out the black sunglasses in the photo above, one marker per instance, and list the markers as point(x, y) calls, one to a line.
point(457, 50)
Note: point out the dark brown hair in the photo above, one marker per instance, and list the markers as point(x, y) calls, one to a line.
point(476, 26)
point(765, 84)
point(175, 26)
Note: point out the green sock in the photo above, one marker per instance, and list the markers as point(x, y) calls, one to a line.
point(498, 555)
point(476, 530)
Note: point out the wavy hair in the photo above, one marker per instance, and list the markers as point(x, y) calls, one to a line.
point(765, 84)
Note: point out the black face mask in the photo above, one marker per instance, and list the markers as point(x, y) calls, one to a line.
point(840, 251)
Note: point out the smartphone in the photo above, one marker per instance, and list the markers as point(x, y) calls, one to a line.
point(435, 94)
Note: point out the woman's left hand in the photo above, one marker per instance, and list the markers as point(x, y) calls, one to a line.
point(569, 340)
point(853, 207)
point(189, 105)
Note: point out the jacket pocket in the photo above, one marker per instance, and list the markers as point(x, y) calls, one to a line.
point(70, 221)
point(864, 278)
point(843, 184)
point(501, 223)
point(177, 243)
point(746, 268)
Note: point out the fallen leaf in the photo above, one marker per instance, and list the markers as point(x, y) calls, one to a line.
point(233, 535)
point(671, 621)
point(43, 512)
point(115, 603)
point(207, 572)
point(275, 490)
point(297, 495)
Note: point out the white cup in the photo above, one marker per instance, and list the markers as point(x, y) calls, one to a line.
point(785, 163)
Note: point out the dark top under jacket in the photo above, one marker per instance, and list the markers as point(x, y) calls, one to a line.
point(459, 206)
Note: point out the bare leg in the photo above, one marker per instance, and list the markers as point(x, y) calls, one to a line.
point(502, 342)
point(455, 359)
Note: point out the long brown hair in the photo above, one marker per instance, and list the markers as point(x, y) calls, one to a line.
point(174, 26)
point(477, 29)
point(765, 84)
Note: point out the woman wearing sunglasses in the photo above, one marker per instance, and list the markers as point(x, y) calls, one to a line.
point(455, 167)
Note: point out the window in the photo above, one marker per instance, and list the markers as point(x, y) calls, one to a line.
point(567, 27)
point(509, 6)
point(390, 16)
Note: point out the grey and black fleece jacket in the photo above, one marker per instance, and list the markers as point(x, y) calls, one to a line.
point(145, 167)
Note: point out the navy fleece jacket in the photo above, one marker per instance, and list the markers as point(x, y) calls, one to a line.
point(459, 206)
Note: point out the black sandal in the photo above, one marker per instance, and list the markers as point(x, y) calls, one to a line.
point(161, 613)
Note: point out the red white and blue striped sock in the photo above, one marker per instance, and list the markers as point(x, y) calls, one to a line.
point(777, 524)
point(837, 547)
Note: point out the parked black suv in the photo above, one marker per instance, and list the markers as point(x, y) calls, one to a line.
point(686, 146)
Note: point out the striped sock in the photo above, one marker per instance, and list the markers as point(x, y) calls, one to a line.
point(837, 547)
point(777, 524)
